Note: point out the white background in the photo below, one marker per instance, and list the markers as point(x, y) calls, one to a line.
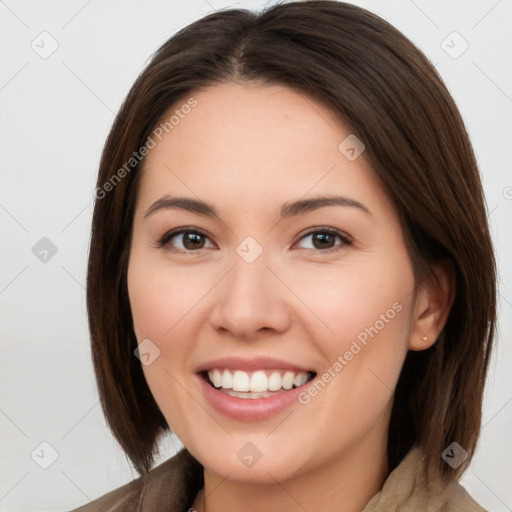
point(55, 116)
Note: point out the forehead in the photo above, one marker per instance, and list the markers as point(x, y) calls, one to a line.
point(249, 143)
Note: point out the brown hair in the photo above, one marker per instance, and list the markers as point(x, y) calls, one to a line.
point(387, 92)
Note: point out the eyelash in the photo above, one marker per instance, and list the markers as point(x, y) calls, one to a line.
point(164, 241)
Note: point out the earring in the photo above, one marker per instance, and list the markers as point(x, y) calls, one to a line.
point(424, 338)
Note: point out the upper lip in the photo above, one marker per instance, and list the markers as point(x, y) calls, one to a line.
point(257, 363)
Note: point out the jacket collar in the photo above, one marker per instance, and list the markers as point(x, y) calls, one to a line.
point(173, 485)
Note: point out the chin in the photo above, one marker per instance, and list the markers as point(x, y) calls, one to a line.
point(257, 461)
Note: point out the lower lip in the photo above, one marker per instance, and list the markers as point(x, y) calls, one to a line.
point(249, 409)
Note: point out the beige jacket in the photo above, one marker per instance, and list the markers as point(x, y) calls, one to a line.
point(173, 485)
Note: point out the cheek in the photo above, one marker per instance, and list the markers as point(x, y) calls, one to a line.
point(162, 300)
point(345, 302)
point(361, 325)
point(159, 303)
point(166, 303)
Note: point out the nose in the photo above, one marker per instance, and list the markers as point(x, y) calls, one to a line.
point(251, 300)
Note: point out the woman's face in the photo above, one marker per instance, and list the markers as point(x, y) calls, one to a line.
point(266, 294)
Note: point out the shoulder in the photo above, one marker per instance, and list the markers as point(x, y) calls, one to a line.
point(459, 500)
point(407, 490)
point(170, 486)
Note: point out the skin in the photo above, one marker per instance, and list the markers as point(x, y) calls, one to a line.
point(248, 149)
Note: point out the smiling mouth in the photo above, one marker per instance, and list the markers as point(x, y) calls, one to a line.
point(255, 384)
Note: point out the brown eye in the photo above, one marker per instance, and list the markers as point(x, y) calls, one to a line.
point(185, 240)
point(325, 239)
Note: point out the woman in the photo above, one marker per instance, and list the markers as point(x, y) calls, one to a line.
point(291, 269)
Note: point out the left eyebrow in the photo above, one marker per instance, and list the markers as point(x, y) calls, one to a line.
point(306, 205)
point(287, 210)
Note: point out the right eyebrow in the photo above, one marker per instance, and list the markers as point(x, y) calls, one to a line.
point(184, 203)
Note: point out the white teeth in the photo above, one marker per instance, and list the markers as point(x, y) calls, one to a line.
point(240, 381)
point(288, 380)
point(251, 394)
point(227, 380)
point(300, 378)
point(216, 378)
point(259, 381)
point(274, 381)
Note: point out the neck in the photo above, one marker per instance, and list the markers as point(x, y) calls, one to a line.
point(345, 484)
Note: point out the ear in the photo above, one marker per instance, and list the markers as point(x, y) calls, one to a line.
point(434, 300)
